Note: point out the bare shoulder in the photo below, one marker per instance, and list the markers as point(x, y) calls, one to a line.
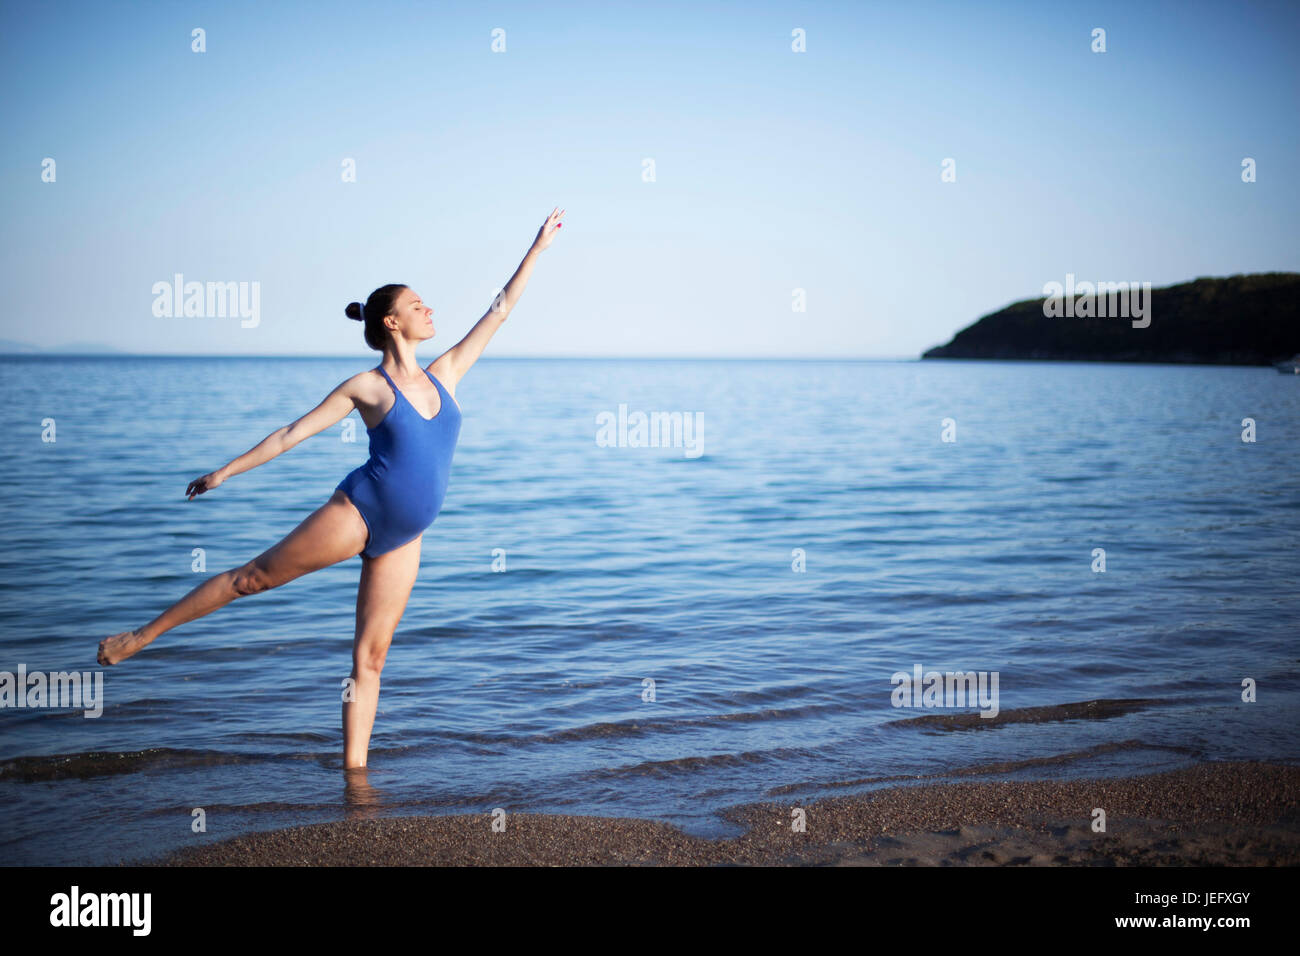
point(353, 392)
point(442, 369)
point(363, 385)
point(366, 389)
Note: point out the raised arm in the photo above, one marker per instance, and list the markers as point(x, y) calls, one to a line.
point(337, 405)
point(452, 364)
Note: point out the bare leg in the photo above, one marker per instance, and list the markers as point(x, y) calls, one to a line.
point(385, 586)
point(333, 532)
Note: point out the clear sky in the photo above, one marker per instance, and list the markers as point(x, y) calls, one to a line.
point(774, 170)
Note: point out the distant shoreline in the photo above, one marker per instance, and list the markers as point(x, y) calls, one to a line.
point(1239, 320)
point(1211, 814)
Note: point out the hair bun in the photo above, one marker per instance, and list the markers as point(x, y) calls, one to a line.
point(353, 311)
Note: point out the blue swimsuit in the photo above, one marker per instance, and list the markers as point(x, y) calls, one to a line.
point(399, 491)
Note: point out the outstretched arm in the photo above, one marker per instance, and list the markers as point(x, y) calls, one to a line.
point(337, 404)
point(452, 364)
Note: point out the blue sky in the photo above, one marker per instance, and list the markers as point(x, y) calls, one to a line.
point(774, 170)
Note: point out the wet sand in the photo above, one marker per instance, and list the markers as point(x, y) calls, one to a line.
point(1234, 814)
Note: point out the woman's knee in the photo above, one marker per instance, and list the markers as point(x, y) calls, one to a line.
point(369, 656)
point(250, 579)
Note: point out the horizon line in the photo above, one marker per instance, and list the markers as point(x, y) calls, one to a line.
point(47, 353)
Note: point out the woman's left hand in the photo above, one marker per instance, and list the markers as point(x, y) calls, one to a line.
point(547, 232)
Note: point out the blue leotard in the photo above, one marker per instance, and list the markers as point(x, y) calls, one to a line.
point(399, 491)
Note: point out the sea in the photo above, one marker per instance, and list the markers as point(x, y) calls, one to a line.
point(656, 589)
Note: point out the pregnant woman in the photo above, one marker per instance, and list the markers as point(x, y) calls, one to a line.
point(381, 509)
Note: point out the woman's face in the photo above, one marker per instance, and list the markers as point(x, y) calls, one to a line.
point(414, 318)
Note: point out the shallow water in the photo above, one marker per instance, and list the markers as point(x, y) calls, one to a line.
point(526, 689)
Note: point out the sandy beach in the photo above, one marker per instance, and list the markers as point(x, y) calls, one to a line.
point(1214, 814)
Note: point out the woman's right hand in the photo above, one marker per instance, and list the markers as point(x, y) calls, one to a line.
point(206, 483)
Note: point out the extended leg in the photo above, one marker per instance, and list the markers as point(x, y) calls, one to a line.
point(385, 586)
point(333, 532)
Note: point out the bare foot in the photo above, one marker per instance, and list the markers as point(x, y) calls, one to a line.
point(119, 647)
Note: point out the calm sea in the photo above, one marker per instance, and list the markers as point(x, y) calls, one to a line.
point(676, 629)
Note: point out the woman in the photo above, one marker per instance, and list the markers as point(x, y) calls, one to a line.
point(382, 508)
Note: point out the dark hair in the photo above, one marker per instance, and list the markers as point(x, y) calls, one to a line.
point(379, 304)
